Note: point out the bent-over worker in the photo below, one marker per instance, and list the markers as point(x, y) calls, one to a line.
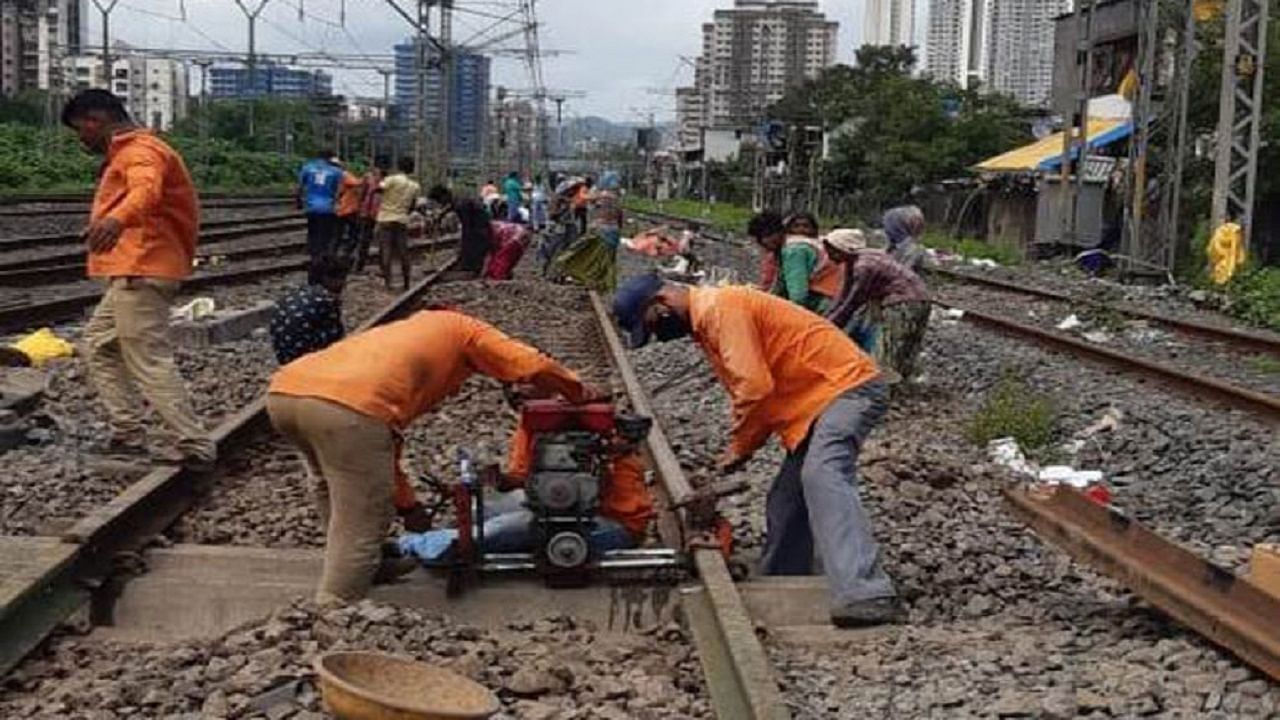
point(309, 318)
point(346, 406)
point(807, 276)
point(883, 301)
point(791, 373)
point(141, 240)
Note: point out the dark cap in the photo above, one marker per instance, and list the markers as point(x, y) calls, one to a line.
point(629, 304)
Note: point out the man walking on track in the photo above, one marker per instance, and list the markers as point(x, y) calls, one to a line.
point(318, 184)
point(141, 240)
point(347, 406)
point(346, 237)
point(790, 373)
point(399, 193)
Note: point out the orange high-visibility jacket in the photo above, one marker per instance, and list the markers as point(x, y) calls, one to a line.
point(781, 364)
point(625, 497)
point(401, 370)
point(146, 186)
point(348, 195)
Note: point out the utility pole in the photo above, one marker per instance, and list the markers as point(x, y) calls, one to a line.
point(1240, 114)
point(420, 122)
point(204, 110)
point(252, 17)
point(386, 107)
point(1076, 138)
point(105, 7)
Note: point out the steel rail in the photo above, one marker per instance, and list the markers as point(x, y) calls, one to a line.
point(126, 523)
point(83, 209)
point(737, 670)
point(28, 242)
point(60, 257)
point(1253, 340)
point(18, 198)
point(1227, 610)
point(1267, 406)
point(69, 306)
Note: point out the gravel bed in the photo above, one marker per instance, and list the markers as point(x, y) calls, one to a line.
point(552, 669)
point(1139, 338)
point(264, 501)
point(57, 224)
point(1001, 623)
point(51, 483)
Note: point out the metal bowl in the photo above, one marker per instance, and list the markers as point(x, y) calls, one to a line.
point(375, 686)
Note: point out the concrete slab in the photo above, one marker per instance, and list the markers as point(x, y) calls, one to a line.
point(223, 326)
point(24, 561)
point(201, 591)
point(827, 635)
point(782, 601)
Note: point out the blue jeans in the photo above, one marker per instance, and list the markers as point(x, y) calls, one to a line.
point(816, 494)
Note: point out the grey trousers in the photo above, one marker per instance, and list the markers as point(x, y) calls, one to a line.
point(815, 494)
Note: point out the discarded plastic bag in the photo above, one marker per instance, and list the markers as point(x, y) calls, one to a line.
point(198, 308)
point(1005, 452)
point(42, 346)
point(1069, 322)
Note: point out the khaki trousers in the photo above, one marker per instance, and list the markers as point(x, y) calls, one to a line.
point(351, 460)
point(129, 353)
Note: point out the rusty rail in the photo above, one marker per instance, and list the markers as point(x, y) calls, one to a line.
point(1244, 338)
point(1267, 406)
point(1227, 610)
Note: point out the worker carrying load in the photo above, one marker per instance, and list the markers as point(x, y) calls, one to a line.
point(791, 373)
point(346, 407)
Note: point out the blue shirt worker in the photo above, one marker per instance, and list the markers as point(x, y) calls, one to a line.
point(309, 318)
point(318, 183)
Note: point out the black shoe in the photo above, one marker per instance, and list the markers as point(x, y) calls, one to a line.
point(391, 569)
point(867, 613)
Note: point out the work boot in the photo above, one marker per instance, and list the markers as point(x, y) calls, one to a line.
point(866, 613)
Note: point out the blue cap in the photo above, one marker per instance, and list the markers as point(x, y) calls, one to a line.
point(629, 304)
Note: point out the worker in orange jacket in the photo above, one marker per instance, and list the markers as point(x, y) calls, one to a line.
point(793, 374)
point(141, 241)
point(346, 239)
point(346, 406)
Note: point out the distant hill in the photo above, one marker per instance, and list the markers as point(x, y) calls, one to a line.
point(604, 130)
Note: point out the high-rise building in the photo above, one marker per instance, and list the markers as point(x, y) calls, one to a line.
point(1020, 48)
point(1000, 45)
point(35, 36)
point(956, 41)
point(268, 80)
point(752, 54)
point(889, 22)
point(154, 89)
point(468, 95)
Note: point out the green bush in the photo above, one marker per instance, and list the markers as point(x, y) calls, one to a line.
point(1254, 297)
point(1011, 409)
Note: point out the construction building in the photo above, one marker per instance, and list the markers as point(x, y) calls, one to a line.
point(154, 89)
point(35, 35)
point(752, 54)
point(468, 95)
point(889, 22)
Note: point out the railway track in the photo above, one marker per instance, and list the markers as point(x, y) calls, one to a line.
point(71, 304)
point(57, 575)
point(1232, 347)
point(80, 207)
point(30, 242)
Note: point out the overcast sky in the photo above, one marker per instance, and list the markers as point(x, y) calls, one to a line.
point(618, 48)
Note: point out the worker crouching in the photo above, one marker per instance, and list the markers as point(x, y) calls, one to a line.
point(346, 406)
point(790, 373)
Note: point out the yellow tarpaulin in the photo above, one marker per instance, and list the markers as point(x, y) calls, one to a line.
point(1226, 252)
point(1029, 157)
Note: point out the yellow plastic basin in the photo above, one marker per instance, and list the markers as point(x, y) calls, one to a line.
point(375, 686)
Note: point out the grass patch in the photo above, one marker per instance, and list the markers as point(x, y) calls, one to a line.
point(1012, 409)
point(1254, 297)
point(972, 248)
point(1265, 364)
point(722, 216)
